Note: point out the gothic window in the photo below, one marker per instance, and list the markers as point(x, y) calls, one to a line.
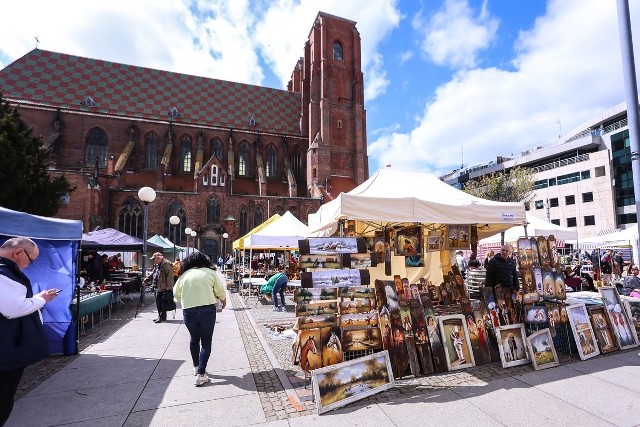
point(243, 160)
point(185, 155)
point(258, 216)
point(205, 179)
point(221, 180)
point(295, 162)
point(213, 211)
point(214, 175)
point(216, 148)
point(278, 210)
point(151, 151)
point(337, 51)
point(271, 162)
point(130, 218)
point(293, 211)
point(176, 232)
point(244, 221)
point(96, 147)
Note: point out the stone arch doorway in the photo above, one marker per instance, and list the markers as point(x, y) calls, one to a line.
point(211, 248)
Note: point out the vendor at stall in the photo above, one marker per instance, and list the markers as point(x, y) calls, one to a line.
point(501, 270)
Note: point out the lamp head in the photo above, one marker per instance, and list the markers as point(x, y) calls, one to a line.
point(147, 194)
point(229, 218)
point(188, 230)
point(194, 234)
point(174, 220)
point(225, 235)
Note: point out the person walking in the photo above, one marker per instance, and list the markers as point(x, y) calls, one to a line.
point(161, 278)
point(277, 283)
point(198, 290)
point(22, 337)
point(501, 270)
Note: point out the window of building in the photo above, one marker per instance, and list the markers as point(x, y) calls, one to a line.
point(221, 180)
point(97, 144)
point(176, 232)
point(553, 203)
point(243, 221)
point(627, 218)
point(599, 171)
point(278, 210)
point(214, 175)
point(590, 220)
point(185, 155)
point(555, 221)
point(205, 179)
point(130, 218)
point(151, 151)
point(293, 211)
point(213, 210)
point(570, 200)
point(543, 183)
point(339, 124)
point(571, 222)
point(295, 161)
point(216, 148)
point(539, 204)
point(568, 178)
point(337, 51)
point(585, 174)
point(271, 162)
point(243, 160)
point(587, 197)
point(258, 216)
point(552, 182)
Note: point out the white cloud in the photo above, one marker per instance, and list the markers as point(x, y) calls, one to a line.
point(453, 35)
point(404, 57)
point(568, 67)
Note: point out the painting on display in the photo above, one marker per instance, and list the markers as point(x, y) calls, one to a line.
point(334, 278)
point(357, 292)
point(306, 295)
point(537, 314)
point(304, 308)
point(534, 252)
point(331, 346)
point(310, 349)
point(338, 385)
point(359, 305)
point(457, 345)
point(602, 329)
point(414, 261)
point(512, 345)
point(560, 289)
point(318, 261)
point(379, 244)
point(359, 320)
point(458, 236)
point(478, 338)
point(582, 331)
point(357, 261)
point(537, 278)
point(618, 318)
point(633, 310)
point(408, 241)
point(361, 339)
point(332, 245)
point(525, 257)
point(543, 252)
point(315, 322)
point(548, 284)
point(435, 241)
point(553, 251)
point(542, 351)
point(528, 283)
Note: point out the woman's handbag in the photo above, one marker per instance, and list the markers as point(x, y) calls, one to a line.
point(167, 301)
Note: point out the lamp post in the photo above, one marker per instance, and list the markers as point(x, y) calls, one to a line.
point(146, 196)
point(188, 231)
point(193, 241)
point(225, 236)
point(174, 220)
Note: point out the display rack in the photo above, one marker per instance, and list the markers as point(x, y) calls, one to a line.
point(475, 283)
point(563, 339)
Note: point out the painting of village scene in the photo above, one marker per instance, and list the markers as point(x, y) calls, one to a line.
point(310, 294)
point(334, 245)
point(361, 339)
point(543, 353)
point(360, 305)
point(357, 292)
point(361, 261)
point(313, 322)
point(359, 321)
point(338, 385)
point(317, 261)
point(316, 308)
point(335, 278)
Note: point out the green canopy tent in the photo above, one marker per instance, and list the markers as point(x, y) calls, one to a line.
point(168, 245)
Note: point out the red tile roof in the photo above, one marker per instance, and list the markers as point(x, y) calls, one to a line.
point(65, 81)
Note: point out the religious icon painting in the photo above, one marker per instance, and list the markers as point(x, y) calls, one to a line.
point(512, 345)
point(405, 316)
point(421, 336)
point(406, 288)
point(331, 346)
point(543, 252)
point(310, 350)
point(582, 331)
point(525, 257)
point(560, 290)
point(415, 293)
point(491, 333)
point(537, 314)
point(531, 298)
point(618, 318)
point(548, 285)
point(458, 236)
point(534, 252)
point(537, 278)
point(542, 351)
point(602, 329)
point(397, 280)
point(483, 354)
point(378, 245)
point(435, 241)
point(564, 316)
point(409, 241)
point(528, 284)
point(381, 287)
point(553, 251)
point(457, 345)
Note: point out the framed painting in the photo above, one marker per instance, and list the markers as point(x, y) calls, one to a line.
point(409, 241)
point(554, 258)
point(525, 257)
point(378, 244)
point(358, 305)
point(361, 339)
point(338, 385)
point(548, 284)
point(458, 236)
point(512, 345)
point(357, 261)
point(310, 349)
point(582, 331)
point(360, 320)
point(537, 314)
point(435, 242)
point(316, 308)
point(560, 289)
point(306, 295)
point(528, 283)
point(334, 278)
point(542, 351)
point(602, 329)
point(618, 318)
point(543, 252)
point(332, 245)
point(357, 292)
point(534, 252)
point(633, 310)
point(331, 346)
point(457, 345)
point(317, 261)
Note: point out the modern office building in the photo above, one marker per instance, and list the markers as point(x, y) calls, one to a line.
point(583, 179)
point(222, 156)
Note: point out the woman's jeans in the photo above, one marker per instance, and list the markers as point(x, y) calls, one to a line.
point(200, 321)
point(278, 288)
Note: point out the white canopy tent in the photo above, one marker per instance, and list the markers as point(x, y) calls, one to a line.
point(619, 239)
point(393, 196)
point(283, 233)
point(535, 227)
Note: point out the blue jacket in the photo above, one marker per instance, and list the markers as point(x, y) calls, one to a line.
point(22, 340)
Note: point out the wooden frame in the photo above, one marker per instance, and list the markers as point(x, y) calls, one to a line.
point(458, 236)
point(618, 317)
point(456, 342)
point(633, 311)
point(435, 241)
point(537, 314)
point(582, 331)
point(542, 351)
point(602, 329)
point(409, 241)
point(512, 344)
point(334, 386)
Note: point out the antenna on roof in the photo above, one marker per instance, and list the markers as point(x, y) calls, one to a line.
point(462, 157)
point(37, 41)
point(559, 127)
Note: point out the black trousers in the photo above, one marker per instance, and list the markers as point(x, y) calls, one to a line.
point(162, 313)
point(9, 381)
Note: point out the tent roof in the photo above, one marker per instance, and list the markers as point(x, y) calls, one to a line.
point(399, 196)
point(239, 244)
point(164, 242)
point(626, 237)
point(280, 234)
point(15, 223)
point(535, 227)
point(114, 240)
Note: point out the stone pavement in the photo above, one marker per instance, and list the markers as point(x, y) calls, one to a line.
point(134, 372)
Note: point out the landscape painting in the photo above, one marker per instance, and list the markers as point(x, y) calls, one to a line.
point(361, 339)
point(310, 294)
point(317, 261)
point(543, 353)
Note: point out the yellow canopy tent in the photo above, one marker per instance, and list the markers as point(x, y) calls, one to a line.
point(239, 244)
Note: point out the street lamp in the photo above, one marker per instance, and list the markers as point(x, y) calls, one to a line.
point(193, 241)
point(188, 231)
point(174, 220)
point(146, 196)
point(225, 236)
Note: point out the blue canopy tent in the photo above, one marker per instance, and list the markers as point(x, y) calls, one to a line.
point(55, 267)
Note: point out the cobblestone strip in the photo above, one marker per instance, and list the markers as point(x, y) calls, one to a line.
point(275, 401)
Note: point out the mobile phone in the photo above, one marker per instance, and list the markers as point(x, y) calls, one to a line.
point(57, 291)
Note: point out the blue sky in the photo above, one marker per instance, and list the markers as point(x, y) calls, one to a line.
point(446, 81)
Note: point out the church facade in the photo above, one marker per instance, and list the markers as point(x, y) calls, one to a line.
point(222, 156)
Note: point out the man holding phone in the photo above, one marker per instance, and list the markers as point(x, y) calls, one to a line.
point(22, 338)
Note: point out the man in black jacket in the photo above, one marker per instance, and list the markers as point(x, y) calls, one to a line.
point(22, 338)
point(501, 270)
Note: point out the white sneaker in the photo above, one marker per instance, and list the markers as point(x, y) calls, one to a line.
point(202, 379)
point(283, 308)
point(275, 309)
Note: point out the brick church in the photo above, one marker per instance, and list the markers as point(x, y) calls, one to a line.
point(222, 156)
